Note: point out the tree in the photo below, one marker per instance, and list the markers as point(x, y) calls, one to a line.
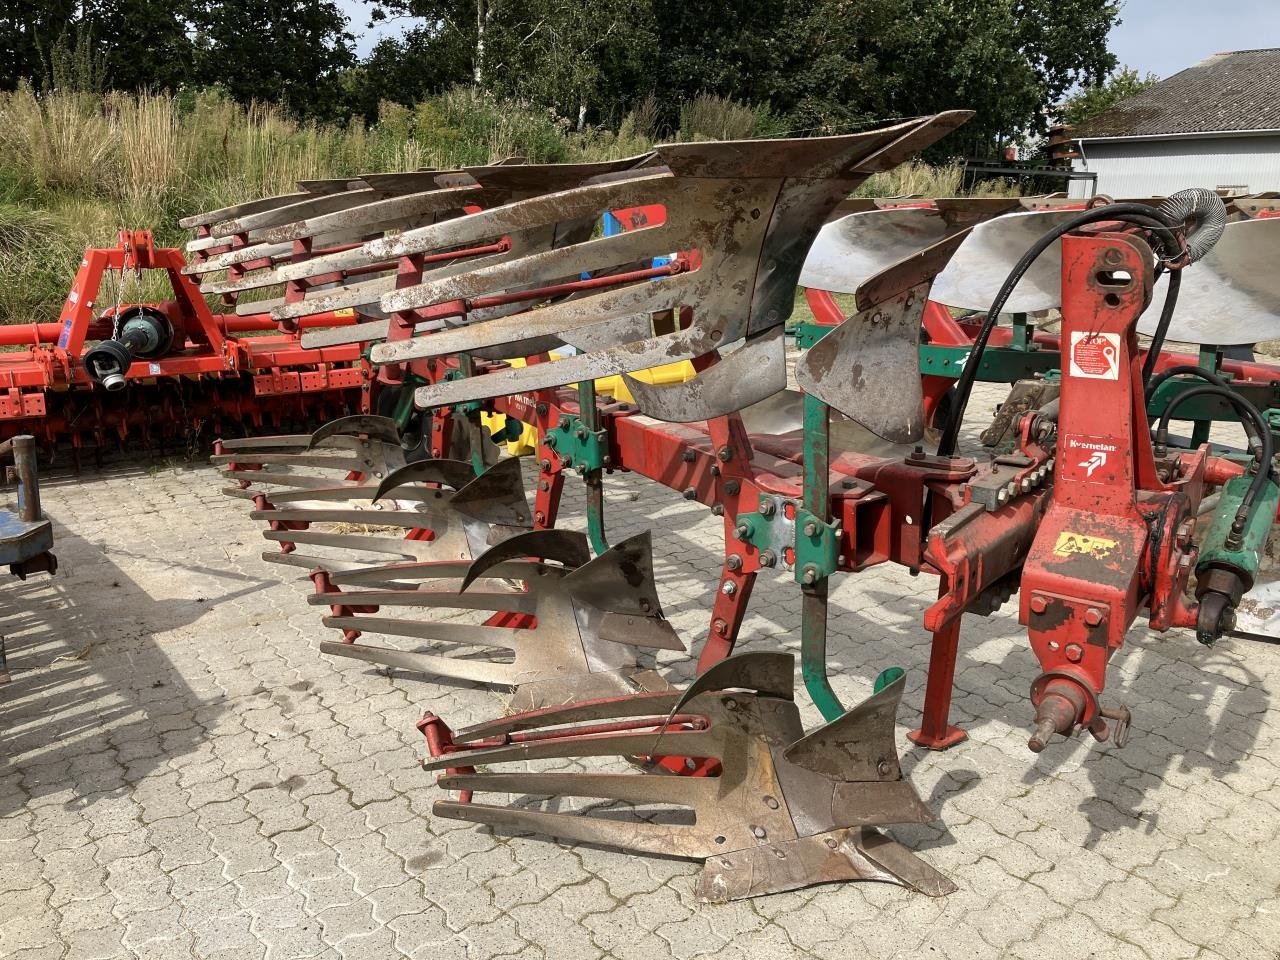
point(290, 52)
point(144, 44)
point(29, 29)
point(1092, 101)
point(823, 65)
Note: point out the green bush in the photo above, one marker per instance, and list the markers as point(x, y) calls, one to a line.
point(77, 167)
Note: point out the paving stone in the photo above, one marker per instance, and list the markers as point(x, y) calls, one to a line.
point(204, 784)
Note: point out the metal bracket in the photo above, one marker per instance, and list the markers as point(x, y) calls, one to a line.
point(817, 547)
point(468, 407)
point(579, 449)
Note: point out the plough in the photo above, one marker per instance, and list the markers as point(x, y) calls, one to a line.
point(1077, 505)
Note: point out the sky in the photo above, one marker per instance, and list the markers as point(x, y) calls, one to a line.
point(1156, 36)
point(1165, 36)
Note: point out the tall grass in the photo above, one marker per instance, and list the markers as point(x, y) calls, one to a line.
point(77, 167)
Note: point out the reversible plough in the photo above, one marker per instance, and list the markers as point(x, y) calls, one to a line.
point(518, 307)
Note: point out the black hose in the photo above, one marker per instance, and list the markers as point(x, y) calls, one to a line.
point(1187, 369)
point(1162, 328)
point(1146, 216)
point(1205, 216)
point(1247, 410)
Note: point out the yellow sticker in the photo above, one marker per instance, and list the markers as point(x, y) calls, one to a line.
point(1097, 547)
point(346, 314)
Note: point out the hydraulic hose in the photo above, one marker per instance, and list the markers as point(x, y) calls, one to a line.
point(1205, 215)
point(1264, 455)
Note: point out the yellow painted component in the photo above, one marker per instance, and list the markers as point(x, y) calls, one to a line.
point(347, 313)
point(1097, 547)
point(615, 386)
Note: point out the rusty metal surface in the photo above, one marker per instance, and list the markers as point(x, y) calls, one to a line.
point(573, 641)
point(764, 821)
point(849, 251)
point(868, 367)
point(749, 211)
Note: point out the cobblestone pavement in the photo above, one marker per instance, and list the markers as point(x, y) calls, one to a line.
point(186, 776)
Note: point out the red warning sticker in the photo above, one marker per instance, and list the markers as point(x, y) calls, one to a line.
point(1095, 356)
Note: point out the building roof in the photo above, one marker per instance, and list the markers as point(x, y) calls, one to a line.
point(1228, 92)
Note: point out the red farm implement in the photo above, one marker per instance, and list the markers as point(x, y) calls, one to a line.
point(162, 372)
point(1078, 497)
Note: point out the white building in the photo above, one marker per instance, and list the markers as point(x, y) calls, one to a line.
point(1214, 125)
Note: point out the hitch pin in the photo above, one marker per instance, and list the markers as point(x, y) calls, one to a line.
point(1120, 732)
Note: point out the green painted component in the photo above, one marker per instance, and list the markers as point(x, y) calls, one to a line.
point(579, 449)
point(1248, 556)
point(807, 334)
point(593, 443)
point(813, 670)
point(1023, 333)
point(511, 429)
point(998, 364)
point(816, 548)
point(1204, 410)
point(757, 530)
point(471, 406)
point(887, 676)
point(404, 402)
point(813, 604)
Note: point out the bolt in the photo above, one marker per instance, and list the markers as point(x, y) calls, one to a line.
point(884, 768)
point(725, 454)
point(1074, 652)
point(688, 456)
point(581, 433)
point(768, 508)
point(544, 485)
point(733, 562)
point(810, 574)
point(690, 493)
point(810, 529)
point(771, 802)
point(1039, 604)
point(722, 628)
point(645, 605)
point(768, 558)
point(729, 588)
point(743, 530)
point(564, 422)
point(1002, 496)
point(758, 832)
point(1092, 617)
point(732, 486)
point(546, 465)
point(1026, 484)
point(540, 517)
point(540, 409)
point(717, 509)
point(715, 470)
point(551, 441)
point(831, 843)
